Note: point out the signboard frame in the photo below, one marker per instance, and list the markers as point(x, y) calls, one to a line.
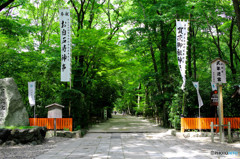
point(218, 69)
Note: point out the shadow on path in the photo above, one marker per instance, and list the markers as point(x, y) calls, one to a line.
point(128, 137)
point(126, 124)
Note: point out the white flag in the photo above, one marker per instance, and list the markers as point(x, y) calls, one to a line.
point(200, 102)
point(66, 50)
point(214, 86)
point(31, 93)
point(181, 46)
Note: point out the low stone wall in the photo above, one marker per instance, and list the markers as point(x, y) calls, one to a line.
point(235, 135)
point(22, 136)
point(67, 134)
point(190, 134)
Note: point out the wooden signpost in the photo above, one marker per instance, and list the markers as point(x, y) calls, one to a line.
point(55, 111)
point(219, 76)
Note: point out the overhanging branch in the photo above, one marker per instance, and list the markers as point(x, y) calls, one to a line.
point(4, 5)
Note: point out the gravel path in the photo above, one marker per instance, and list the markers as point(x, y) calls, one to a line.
point(29, 151)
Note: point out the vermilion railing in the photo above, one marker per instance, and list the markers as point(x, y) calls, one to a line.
point(193, 123)
point(61, 123)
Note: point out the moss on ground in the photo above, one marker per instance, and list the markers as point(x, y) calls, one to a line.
point(18, 127)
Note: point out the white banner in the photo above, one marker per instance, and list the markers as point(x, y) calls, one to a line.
point(31, 93)
point(181, 46)
point(200, 102)
point(66, 49)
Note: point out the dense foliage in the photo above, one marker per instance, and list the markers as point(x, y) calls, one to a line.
point(123, 56)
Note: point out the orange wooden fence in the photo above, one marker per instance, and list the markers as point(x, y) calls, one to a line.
point(193, 123)
point(61, 123)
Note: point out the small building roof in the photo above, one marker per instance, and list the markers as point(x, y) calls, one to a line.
point(54, 104)
point(220, 60)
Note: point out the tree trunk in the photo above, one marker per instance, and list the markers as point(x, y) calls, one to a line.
point(78, 73)
point(139, 97)
point(194, 63)
point(190, 50)
point(155, 69)
point(230, 45)
point(157, 82)
point(162, 49)
point(165, 73)
point(146, 103)
point(236, 4)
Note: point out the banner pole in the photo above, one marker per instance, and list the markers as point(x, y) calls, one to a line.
point(69, 109)
point(199, 120)
point(183, 103)
point(34, 116)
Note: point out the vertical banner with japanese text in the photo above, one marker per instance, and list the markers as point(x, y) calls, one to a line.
point(66, 50)
point(181, 46)
point(31, 93)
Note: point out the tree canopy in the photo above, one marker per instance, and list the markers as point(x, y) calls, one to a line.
point(123, 56)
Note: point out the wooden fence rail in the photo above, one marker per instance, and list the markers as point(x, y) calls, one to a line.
point(61, 123)
point(193, 123)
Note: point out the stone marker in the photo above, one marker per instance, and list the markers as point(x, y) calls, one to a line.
point(12, 110)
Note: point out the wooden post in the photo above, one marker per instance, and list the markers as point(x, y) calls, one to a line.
point(212, 133)
point(220, 103)
point(182, 124)
point(229, 132)
point(55, 134)
point(216, 116)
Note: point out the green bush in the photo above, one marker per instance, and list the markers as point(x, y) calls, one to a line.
point(174, 112)
point(77, 128)
point(78, 108)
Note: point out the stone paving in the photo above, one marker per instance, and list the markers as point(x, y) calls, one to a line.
point(109, 144)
